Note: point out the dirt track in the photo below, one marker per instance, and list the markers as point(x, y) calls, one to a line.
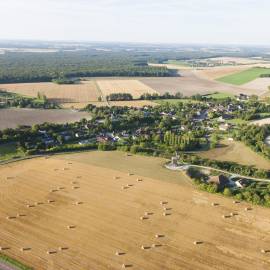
point(108, 220)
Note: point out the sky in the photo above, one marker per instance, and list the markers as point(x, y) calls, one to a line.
point(150, 21)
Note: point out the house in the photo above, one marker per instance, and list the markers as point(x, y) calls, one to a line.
point(224, 127)
point(220, 180)
point(242, 182)
point(224, 117)
point(242, 97)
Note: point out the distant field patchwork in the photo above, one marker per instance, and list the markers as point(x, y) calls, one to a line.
point(245, 76)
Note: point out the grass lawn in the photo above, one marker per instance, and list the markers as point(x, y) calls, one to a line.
point(244, 76)
point(237, 121)
point(220, 96)
point(9, 151)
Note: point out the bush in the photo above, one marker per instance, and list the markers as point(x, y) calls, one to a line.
point(106, 147)
point(227, 192)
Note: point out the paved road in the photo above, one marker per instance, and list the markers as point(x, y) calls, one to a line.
point(222, 171)
point(4, 266)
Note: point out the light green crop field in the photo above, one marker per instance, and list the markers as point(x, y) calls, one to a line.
point(174, 101)
point(220, 96)
point(244, 76)
point(178, 63)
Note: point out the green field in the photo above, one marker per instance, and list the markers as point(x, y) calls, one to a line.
point(174, 101)
point(220, 96)
point(178, 63)
point(244, 76)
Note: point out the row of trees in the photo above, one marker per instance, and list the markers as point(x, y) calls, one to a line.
point(119, 97)
point(184, 142)
point(167, 95)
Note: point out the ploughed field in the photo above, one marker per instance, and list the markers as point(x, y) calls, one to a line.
point(72, 212)
point(11, 118)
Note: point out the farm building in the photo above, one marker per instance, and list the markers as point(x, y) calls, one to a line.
point(220, 180)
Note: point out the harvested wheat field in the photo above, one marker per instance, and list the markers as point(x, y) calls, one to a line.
point(84, 215)
point(237, 152)
point(81, 92)
point(133, 87)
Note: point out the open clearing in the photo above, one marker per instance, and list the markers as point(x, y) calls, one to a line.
point(11, 118)
point(133, 87)
point(106, 218)
point(81, 92)
point(245, 76)
point(237, 152)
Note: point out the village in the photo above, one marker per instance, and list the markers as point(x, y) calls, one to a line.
point(107, 125)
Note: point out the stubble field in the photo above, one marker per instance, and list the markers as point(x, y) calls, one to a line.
point(82, 192)
point(133, 87)
point(85, 91)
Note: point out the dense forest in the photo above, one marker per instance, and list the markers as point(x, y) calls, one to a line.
point(33, 67)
